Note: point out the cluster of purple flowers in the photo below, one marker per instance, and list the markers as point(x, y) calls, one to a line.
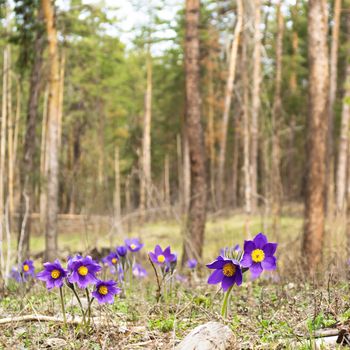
point(257, 255)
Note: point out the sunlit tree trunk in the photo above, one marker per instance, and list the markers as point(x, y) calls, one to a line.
point(276, 182)
point(316, 133)
point(27, 165)
point(227, 103)
point(344, 134)
point(53, 109)
point(333, 71)
point(194, 235)
point(145, 181)
point(255, 103)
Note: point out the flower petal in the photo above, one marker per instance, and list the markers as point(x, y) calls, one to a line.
point(227, 282)
point(217, 264)
point(270, 249)
point(260, 240)
point(238, 277)
point(158, 250)
point(249, 246)
point(256, 270)
point(216, 277)
point(246, 260)
point(269, 263)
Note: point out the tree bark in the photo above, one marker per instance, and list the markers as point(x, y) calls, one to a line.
point(194, 235)
point(344, 134)
point(227, 103)
point(276, 182)
point(255, 104)
point(316, 133)
point(333, 71)
point(167, 183)
point(145, 181)
point(53, 109)
point(27, 165)
point(117, 200)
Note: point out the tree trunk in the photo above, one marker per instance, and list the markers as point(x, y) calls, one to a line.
point(235, 160)
point(145, 181)
point(344, 134)
point(276, 182)
point(255, 103)
point(27, 165)
point(60, 97)
point(333, 71)
point(54, 85)
point(186, 173)
point(194, 235)
point(167, 184)
point(227, 103)
point(316, 133)
point(117, 201)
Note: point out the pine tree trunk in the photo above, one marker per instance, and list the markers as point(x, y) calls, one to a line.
point(333, 71)
point(227, 103)
point(167, 184)
point(27, 166)
point(60, 97)
point(344, 134)
point(117, 200)
point(316, 133)
point(145, 181)
point(194, 236)
point(52, 183)
point(276, 182)
point(235, 160)
point(255, 103)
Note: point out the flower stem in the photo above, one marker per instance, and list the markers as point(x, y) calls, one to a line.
point(225, 302)
point(63, 307)
point(89, 305)
point(80, 304)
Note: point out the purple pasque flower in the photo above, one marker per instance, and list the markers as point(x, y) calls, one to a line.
point(162, 257)
point(16, 275)
point(83, 271)
point(133, 244)
point(53, 274)
point(258, 255)
point(105, 291)
point(122, 251)
point(192, 264)
point(28, 268)
point(112, 259)
point(227, 271)
point(139, 271)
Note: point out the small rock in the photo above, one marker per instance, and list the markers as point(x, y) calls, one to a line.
point(55, 343)
point(209, 336)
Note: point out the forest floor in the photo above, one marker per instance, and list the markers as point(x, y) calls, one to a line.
point(280, 310)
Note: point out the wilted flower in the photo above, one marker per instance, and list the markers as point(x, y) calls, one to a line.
point(28, 268)
point(258, 255)
point(133, 244)
point(53, 274)
point(139, 271)
point(83, 271)
point(122, 251)
point(227, 271)
point(105, 291)
point(192, 264)
point(161, 257)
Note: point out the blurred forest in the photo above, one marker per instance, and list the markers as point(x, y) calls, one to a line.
point(230, 105)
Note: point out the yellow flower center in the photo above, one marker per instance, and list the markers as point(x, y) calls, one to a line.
point(114, 261)
point(133, 246)
point(258, 255)
point(103, 290)
point(229, 269)
point(55, 274)
point(161, 258)
point(83, 270)
point(25, 268)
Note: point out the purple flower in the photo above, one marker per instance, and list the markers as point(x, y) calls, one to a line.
point(83, 271)
point(53, 274)
point(28, 268)
point(192, 264)
point(16, 275)
point(227, 271)
point(112, 259)
point(133, 244)
point(181, 278)
point(160, 257)
point(105, 291)
point(258, 255)
point(122, 251)
point(139, 271)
